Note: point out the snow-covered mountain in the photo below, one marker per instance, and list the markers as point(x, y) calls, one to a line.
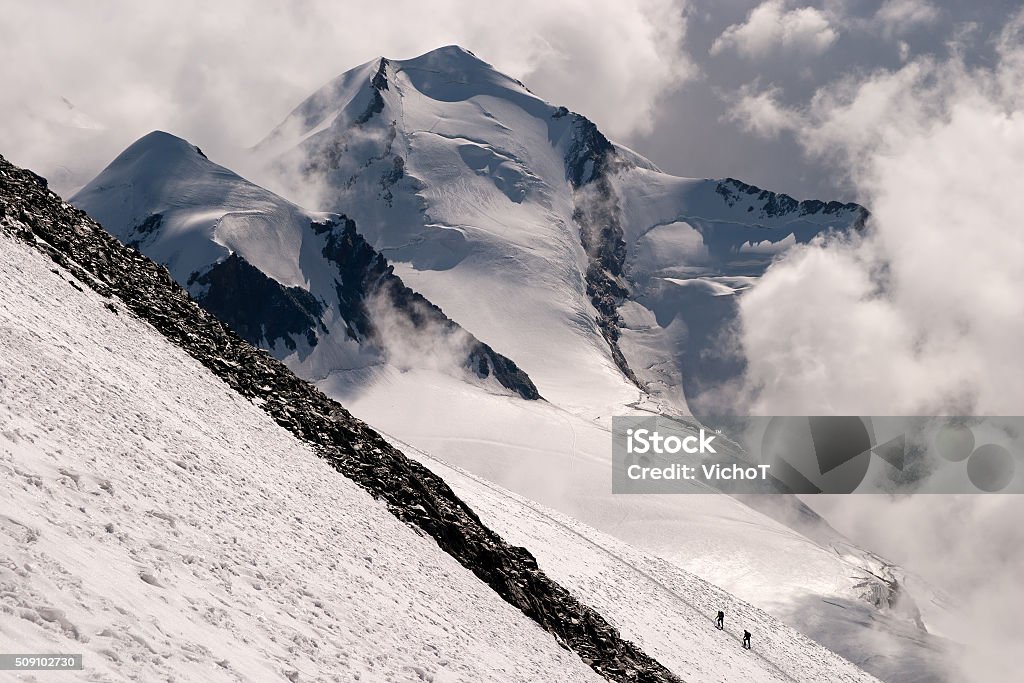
point(611, 283)
point(304, 285)
point(515, 215)
point(608, 282)
point(184, 507)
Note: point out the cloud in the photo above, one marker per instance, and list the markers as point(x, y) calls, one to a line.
point(760, 112)
point(896, 17)
point(920, 314)
point(771, 27)
point(854, 116)
point(972, 547)
point(223, 74)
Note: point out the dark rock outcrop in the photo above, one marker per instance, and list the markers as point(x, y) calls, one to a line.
point(259, 309)
point(138, 234)
point(378, 83)
point(774, 204)
point(590, 153)
point(588, 162)
point(415, 495)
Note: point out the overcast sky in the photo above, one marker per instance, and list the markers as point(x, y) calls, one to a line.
point(913, 107)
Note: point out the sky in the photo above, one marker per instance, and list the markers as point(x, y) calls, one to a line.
point(685, 82)
point(911, 107)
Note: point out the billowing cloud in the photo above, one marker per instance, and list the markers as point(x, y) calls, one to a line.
point(771, 27)
point(920, 314)
point(760, 113)
point(79, 85)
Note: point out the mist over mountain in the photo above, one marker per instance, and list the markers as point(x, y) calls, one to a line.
point(481, 193)
point(486, 251)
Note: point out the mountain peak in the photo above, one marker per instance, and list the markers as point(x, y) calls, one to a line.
point(446, 58)
point(446, 72)
point(159, 143)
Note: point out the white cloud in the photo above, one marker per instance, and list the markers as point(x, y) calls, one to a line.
point(896, 17)
point(922, 314)
point(771, 27)
point(904, 50)
point(760, 112)
point(222, 74)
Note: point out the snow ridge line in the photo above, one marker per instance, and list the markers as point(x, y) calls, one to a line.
point(416, 496)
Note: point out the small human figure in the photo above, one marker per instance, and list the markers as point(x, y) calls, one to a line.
point(720, 621)
point(746, 639)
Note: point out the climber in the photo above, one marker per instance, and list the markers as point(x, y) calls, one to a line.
point(720, 621)
point(746, 639)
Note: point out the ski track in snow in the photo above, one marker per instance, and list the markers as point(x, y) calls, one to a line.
point(168, 529)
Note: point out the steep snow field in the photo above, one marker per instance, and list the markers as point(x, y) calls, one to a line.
point(480, 216)
point(666, 610)
point(166, 528)
point(823, 586)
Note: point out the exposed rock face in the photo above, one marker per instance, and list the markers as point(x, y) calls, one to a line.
point(776, 204)
point(590, 154)
point(413, 494)
point(589, 160)
point(259, 309)
point(141, 232)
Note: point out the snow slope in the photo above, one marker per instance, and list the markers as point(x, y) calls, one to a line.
point(164, 526)
point(666, 610)
point(818, 583)
point(479, 215)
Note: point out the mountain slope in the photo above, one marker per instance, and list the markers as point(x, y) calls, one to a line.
point(164, 526)
point(131, 442)
point(652, 601)
point(305, 286)
point(411, 492)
